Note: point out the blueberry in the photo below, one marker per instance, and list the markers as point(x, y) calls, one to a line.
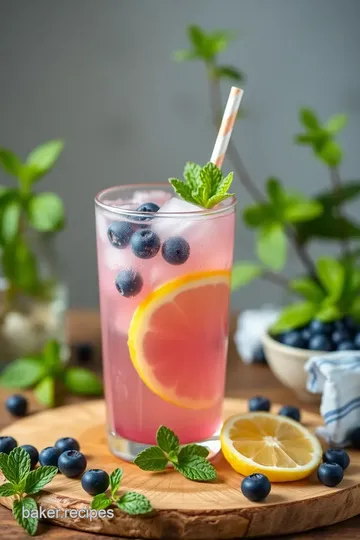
point(306, 334)
point(146, 207)
point(175, 250)
point(259, 403)
point(7, 444)
point(337, 455)
point(95, 481)
point(357, 341)
point(294, 338)
point(33, 453)
point(319, 342)
point(256, 487)
point(291, 412)
point(49, 456)
point(259, 355)
point(349, 322)
point(345, 346)
point(145, 243)
point(320, 327)
point(355, 438)
point(128, 282)
point(17, 405)
point(67, 443)
point(119, 233)
point(72, 463)
point(340, 335)
point(330, 474)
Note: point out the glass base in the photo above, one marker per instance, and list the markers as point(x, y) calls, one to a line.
point(128, 450)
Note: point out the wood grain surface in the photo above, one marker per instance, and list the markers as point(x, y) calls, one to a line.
point(242, 381)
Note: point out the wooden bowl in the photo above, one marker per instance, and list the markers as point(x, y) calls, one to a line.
point(287, 364)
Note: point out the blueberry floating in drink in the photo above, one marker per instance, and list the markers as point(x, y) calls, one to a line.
point(120, 233)
point(145, 243)
point(146, 207)
point(175, 250)
point(129, 283)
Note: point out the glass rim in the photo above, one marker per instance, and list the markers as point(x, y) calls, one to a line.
point(130, 213)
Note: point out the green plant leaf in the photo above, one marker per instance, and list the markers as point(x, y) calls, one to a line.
point(256, 215)
point(30, 523)
point(46, 212)
point(346, 192)
point(19, 464)
point(275, 192)
point(308, 288)
point(327, 226)
point(100, 502)
point(294, 316)
point(151, 459)
point(271, 246)
point(19, 266)
point(22, 373)
point(224, 185)
point(167, 440)
point(329, 313)
point(196, 468)
point(228, 72)
point(10, 219)
point(82, 381)
point(308, 118)
point(192, 174)
point(306, 139)
point(218, 198)
point(243, 272)
point(6, 468)
point(211, 176)
point(134, 503)
point(115, 480)
point(39, 478)
point(302, 210)
point(10, 162)
point(7, 490)
point(332, 276)
point(183, 190)
point(43, 158)
point(52, 357)
point(331, 152)
point(45, 391)
point(336, 123)
point(184, 55)
point(196, 36)
point(192, 450)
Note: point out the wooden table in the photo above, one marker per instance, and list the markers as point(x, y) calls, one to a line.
point(242, 381)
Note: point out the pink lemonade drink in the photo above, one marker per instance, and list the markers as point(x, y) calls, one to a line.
point(164, 280)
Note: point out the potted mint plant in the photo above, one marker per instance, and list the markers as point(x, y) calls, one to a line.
point(32, 296)
point(324, 308)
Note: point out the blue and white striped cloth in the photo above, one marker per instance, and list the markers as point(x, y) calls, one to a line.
point(337, 377)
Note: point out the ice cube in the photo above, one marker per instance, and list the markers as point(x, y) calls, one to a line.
point(176, 225)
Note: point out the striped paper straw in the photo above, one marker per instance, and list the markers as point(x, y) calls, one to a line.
point(226, 127)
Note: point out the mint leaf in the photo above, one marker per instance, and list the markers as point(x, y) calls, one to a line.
point(224, 185)
point(43, 157)
point(134, 503)
point(45, 392)
point(192, 174)
point(331, 152)
point(184, 55)
point(22, 373)
point(302, 210)
point(294, 315)
point(10, 220)
point(4, 468)
point(211, 176)
point(192, 450)
point(7, 489)
point(216, 199)
point(183, 190)
point(10, 162)
point(83, 382)
point(332, 275)
point(30, 523)
point(115, 480)
point(228, 72)
point(329, 313)
point(52, 356)
point(39, 478)
point(308, 288)
point(243, 272)
point(336, 123)
point(271, 246)
point(309, 119)
point(256, 215)
point(167, 440)
point(151, 459)
point(100, 502)
point(196, 468)
point(19, 464)
point(46, 212)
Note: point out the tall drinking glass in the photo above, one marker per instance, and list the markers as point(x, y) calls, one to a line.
point(164, 280)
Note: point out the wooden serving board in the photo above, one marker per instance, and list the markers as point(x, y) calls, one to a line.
point(183, 509)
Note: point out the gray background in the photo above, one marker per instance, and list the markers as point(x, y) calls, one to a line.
point(99, 74)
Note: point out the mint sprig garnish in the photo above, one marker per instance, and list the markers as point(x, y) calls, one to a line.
point(190, 460)
point(205, 186)
point(22, 483)
point(130, 502)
